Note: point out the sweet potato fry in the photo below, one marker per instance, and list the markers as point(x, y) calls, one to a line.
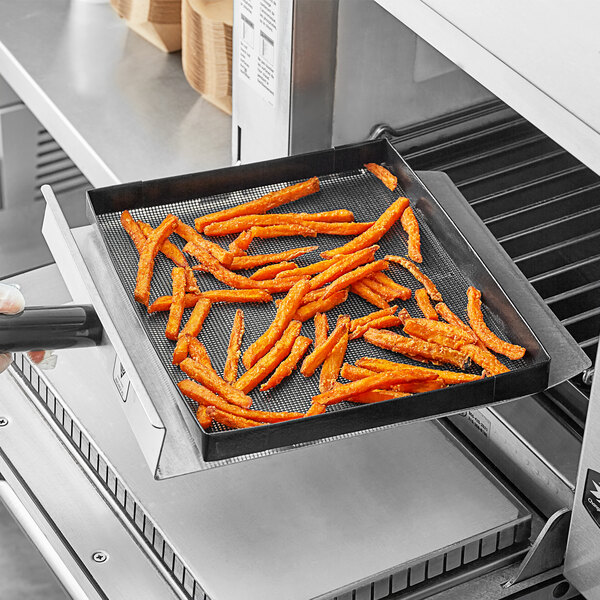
point(433, 292)
point(365, 292)
point(190, 235)
point(422, 298)
point(269, 362)
point(204, 397)
point(390, 181)
point(262, 204)
point(385, 292)
point(285, 313)
point(241, 243)
point(373, 234)
point(233, 421)
point(203, 417)
point(164, 302)
point(404, 315)
point(309, 297)
point(376, 396)
point(332, 364)
point(360, 321)
point(353, 276)
point(343, 264)
point(439, 333)
point(270, 271)
point(181, 348)
point(415, 348)
point(315, 409)
point(448, 377)
point(231, 279)
point(233, 349)
point(400, 291)
point(485, 359)
point(381, 323)
point(354, 373)
point(258, 260)
point(287, 366)
point(321, 328)
point(197, 351)
point(214, 383)
point(196, 321)
point(133, 229)
point(320, 353)
point(478, 325)
point(177, 305)
point(317, 267)
point(283, 230)
point(374, 382)
point(147, 256)
point(308, 311)
point(411, 226)
point(444, 311)
point(243, 223)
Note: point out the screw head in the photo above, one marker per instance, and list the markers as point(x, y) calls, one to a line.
point(3, 421)
point(100, 556)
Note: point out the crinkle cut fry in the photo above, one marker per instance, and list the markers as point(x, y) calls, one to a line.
point(203, 396)
point(231, 279)
point(448, 377)
point(287, 366)
point(262, 204)
point(373, 234)
point(147, 256)
point(258, 260)
point(478, 325)
point(269, 362)
point(191, 236)
point(214, 383)
point(199, 313)
point(365, 292)
point(312, 362)
point(411, 226)
point(285, 313)
point(414, 348)
point(177, 305)
point(234, 348)
point(353, 276)
point(308, 311)
point(433, 292)
point(133, 230)
point(377, 381)
point(332, 364)
point(422, 298)
point(389, 180)
point(248, 295)
point(443, 334)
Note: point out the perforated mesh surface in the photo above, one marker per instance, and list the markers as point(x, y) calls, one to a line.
point(358, 191)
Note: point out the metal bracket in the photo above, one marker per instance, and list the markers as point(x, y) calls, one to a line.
point(548, 550)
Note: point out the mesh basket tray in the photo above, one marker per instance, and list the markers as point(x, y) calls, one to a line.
point(448, 259)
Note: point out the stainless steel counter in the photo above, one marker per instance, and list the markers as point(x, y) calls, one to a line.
point(118, 106)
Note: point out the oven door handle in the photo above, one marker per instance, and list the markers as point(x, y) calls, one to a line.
point(50, 328)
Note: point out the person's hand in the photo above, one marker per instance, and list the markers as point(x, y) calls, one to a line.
point(11, 303)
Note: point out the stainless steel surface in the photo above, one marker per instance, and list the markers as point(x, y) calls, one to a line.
point(469, 35)
point(582, 560)
point(548, 550)
point(138, 96)
point(381, 516)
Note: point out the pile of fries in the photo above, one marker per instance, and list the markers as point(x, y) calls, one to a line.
point(309, 293)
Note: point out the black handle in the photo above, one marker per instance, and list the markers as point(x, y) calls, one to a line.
point(50, 328)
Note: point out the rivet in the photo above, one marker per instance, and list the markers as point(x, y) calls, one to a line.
point(3, 421)
point(100, 556)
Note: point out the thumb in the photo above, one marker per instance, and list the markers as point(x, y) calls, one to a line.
point(11, 299)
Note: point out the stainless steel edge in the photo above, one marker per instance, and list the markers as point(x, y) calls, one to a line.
point(50, 554)
point(568, 359)
point(69, 509)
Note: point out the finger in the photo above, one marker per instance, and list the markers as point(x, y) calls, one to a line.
point(5, 360)
point(11, 299)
